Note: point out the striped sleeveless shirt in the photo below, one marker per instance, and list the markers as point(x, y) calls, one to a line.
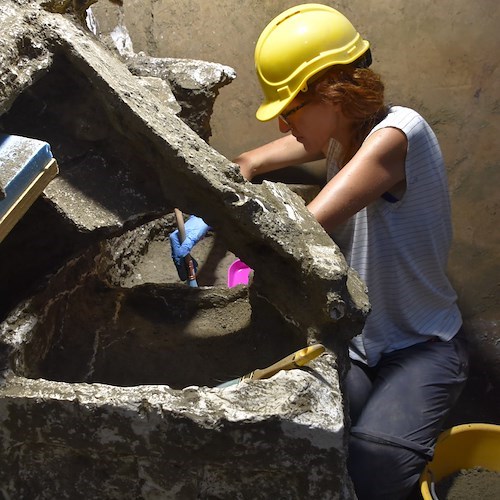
point(400, 249)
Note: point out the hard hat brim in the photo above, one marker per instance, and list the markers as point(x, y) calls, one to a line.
point(269, 110)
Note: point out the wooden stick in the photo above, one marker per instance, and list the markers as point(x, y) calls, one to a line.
point(191, 281)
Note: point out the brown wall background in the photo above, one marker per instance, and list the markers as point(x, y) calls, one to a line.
point(441, 58)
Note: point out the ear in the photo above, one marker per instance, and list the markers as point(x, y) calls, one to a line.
point(283, 127)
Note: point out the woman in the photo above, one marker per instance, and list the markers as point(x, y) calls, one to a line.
point(386, 205)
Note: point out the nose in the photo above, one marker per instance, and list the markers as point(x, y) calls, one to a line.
point(283, 125)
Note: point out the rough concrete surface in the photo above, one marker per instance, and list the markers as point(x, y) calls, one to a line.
point(108, 375)
point(109, 363)
point(202, 180)
point(95, 441)
point(79, 421)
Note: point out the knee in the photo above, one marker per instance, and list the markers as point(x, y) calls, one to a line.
point(382, 471)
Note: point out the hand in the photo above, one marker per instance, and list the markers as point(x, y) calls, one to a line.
point(246, 167)
point(195, 229)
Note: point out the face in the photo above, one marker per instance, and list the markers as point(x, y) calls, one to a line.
point(312, 123)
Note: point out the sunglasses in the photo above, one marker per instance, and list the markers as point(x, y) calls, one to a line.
point(284, 116)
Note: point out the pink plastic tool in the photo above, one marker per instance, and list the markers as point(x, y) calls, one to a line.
point(238, 274)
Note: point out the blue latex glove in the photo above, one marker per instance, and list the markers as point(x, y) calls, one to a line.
point(195, 230)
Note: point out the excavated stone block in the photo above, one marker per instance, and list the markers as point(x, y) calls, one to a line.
point(277, 438)
point(109, 388)
point(296, 263)
point(109, 391)
point(195, 85)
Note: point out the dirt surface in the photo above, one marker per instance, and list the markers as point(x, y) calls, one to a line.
point(468, 484)
point(156, 266)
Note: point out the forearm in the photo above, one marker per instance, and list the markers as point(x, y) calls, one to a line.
point(278, 154)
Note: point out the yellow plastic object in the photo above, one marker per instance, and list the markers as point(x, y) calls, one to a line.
point(297, 44)
point(294, 360)
point(462, 447)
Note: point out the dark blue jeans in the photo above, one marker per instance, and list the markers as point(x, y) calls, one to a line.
point(397, 411)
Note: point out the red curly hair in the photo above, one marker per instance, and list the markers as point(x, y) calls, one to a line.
point(360, 92)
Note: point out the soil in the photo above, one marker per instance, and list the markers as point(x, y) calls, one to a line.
point(156, 265)
point(468, 484)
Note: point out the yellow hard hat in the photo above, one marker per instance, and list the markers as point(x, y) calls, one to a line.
point(298, 44)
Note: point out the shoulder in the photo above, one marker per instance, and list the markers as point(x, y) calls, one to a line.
point(388, 145)
point(401, 113)
point(407, 120)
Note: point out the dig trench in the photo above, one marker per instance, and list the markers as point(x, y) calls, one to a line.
point(119, 315)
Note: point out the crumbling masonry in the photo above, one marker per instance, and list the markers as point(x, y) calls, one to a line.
point(108, 381)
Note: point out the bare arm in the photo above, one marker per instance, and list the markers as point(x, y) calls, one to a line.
point(280, 153)
point(378, 166)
